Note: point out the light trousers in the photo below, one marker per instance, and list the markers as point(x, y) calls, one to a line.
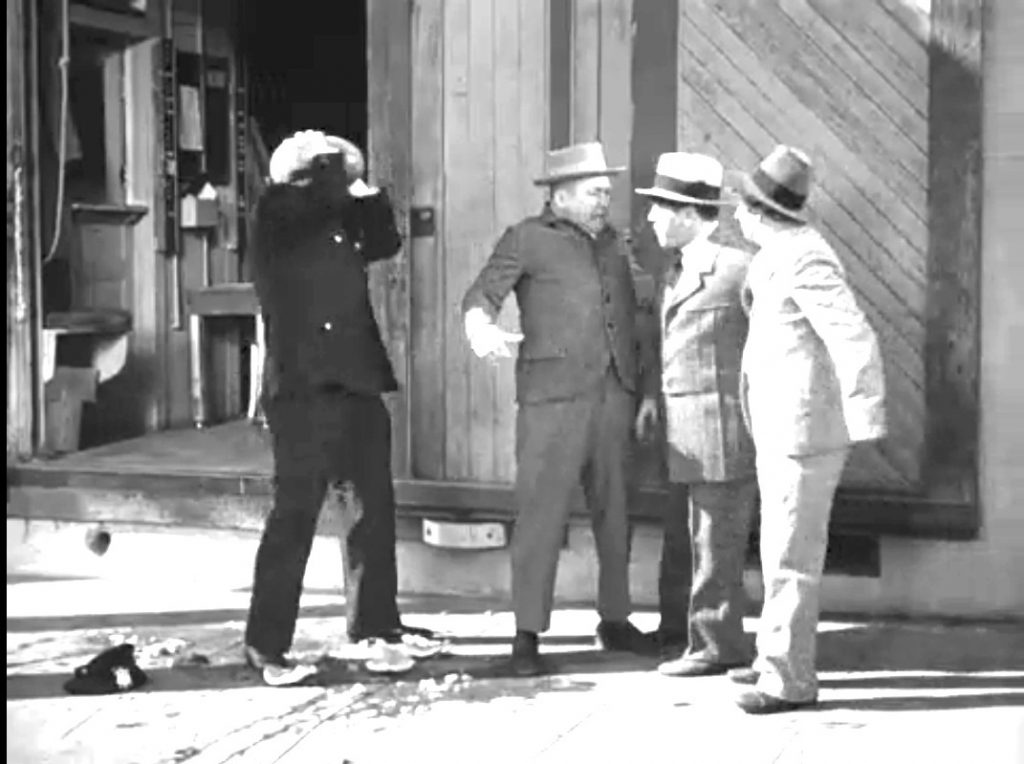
point(796, 504)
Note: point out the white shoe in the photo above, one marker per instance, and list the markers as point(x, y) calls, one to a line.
point(386, 658)
point(278, 670)
point(420, 647)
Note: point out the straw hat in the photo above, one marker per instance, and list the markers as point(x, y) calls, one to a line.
point(686, 178)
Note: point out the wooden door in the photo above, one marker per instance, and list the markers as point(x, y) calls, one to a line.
point(847, 82)
point(479, 130)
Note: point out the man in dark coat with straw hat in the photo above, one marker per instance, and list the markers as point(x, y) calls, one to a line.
point(317, 228)
point(812, 387)
point(694, 379)
point(576, 385)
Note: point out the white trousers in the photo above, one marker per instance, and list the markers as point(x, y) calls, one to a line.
point(796, 503)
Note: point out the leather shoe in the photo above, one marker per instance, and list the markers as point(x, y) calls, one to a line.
point(671, 644)
point(744, 675)
point(525, 659)
point(623, 636)
point(685, 666)
point(757, 702)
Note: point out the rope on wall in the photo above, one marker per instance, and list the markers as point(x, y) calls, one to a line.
point(62, 149)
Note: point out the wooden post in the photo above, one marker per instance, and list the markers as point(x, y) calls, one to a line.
point(20, 387)
point(954, 251)
point(143, 176)
point(389, 41)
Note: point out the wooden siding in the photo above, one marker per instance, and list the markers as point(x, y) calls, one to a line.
point(849, 84)
point(480, 109)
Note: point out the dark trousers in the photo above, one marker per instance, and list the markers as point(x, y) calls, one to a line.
point(324, 439)
point(562, 445)
point(707, 527)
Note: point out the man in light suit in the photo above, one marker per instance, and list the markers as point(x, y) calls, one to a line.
point(812, 386)
point(703, 328)
point(575, 386)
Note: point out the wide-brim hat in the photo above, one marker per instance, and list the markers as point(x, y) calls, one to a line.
point(781, 182)
point(581, 160)
point(687, 178)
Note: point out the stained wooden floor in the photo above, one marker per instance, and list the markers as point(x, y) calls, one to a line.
point(233, 448)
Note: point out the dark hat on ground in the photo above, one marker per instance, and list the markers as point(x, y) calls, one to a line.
point(582, 160)
point(112, 671)
point(782, 182)
point(687, 178)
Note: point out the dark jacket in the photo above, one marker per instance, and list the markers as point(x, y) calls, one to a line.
point(311, 250)
point(577, 306)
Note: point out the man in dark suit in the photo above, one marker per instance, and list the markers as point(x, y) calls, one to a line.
point(316, 229)
point(696, 380)
point(576, 389)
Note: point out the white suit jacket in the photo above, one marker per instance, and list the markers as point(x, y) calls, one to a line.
point(812, 378)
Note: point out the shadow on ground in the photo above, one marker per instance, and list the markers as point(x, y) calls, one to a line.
point(927, 702)
point(923, 646)
point(421, 605)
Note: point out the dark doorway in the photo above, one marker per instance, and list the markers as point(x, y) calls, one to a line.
point(307, 68)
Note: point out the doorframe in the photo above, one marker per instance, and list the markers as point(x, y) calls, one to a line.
point(389, 154)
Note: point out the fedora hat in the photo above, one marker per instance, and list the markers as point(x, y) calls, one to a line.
point(685, 178)
point(582, 160)
point(782, 182)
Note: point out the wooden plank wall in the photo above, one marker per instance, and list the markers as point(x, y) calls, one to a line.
point(479, 132)
point(849, 84)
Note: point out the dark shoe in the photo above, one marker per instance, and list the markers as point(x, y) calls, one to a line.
point(686, 666)
point(525, 660)
point(744, 675)
point(277, 670)
point(756, 702)
point(416, 631)
point(670, 643)
point(624, 637)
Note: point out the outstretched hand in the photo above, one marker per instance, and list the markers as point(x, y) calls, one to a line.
point(487, 339)
point(493, 342)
